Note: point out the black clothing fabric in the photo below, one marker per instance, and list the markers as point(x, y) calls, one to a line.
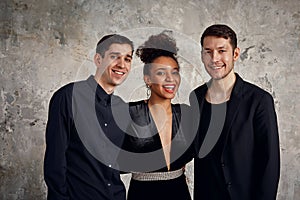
point(209, 120)
point(250, 158)
point(143, 138)
point(175, 189)
point(81, 128)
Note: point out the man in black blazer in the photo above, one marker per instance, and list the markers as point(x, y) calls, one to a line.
point(237, 143)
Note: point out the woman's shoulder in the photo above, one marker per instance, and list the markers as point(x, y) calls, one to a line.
point(182, 107)
point(137, 106)
point(138, 110)
point(137, 103)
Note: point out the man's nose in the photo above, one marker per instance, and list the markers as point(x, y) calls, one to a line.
point(215, 56)
point(121, 62)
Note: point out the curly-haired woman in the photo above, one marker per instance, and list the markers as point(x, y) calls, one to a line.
point(159, 132)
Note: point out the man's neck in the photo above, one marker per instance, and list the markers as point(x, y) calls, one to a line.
point(220, 90)
point(109, 89)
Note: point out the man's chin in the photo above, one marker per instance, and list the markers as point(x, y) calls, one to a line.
point(118, 82)
point(219, 76)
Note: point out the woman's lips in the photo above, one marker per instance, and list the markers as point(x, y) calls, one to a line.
point(169, 88)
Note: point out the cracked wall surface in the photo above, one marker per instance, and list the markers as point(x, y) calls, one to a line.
point(46, 44)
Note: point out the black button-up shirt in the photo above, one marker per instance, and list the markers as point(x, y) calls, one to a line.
point(82, 140)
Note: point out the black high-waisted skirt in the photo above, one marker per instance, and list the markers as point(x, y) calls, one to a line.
point(174, 189)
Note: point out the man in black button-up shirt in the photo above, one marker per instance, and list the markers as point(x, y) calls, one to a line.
point(82, 137)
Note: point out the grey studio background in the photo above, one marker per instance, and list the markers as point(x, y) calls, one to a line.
point(48, 43)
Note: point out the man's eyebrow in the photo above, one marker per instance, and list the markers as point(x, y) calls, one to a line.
point(220, 47)
point(115, 53)
point(118, 53)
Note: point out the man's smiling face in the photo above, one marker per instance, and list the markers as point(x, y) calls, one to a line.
point(115, 64)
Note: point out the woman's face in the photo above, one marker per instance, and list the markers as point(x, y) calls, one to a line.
point(164, 78)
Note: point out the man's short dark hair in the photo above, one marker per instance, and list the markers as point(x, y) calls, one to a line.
point(105, 42)
point(221, 30)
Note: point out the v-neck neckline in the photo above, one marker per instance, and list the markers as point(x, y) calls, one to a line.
point(151, 119)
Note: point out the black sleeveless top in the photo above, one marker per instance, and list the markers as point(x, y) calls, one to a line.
point(143, 139)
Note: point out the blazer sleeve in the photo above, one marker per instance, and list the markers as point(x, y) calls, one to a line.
point(268, 154)
point(56, 145)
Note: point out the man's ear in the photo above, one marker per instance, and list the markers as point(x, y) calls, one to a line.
point(97, 59)
point(236, 54)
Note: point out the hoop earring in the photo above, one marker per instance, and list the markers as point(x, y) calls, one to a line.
point(148, 91)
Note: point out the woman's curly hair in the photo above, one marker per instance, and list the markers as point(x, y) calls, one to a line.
point(156, 46)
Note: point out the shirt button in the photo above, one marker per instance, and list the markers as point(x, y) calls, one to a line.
point(109, 165)
point(229, 184)
point(105, 124)
point(223, 164)
point(108, 184)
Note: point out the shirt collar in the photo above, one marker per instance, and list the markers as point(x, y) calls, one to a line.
point(100, 92)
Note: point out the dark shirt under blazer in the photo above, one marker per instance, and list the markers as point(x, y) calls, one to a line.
point(250, 158)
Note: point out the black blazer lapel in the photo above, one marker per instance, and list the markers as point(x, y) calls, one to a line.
point(231, 111)
point(233, 106)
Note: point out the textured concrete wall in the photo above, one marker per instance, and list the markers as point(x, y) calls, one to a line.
point(45, 44)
